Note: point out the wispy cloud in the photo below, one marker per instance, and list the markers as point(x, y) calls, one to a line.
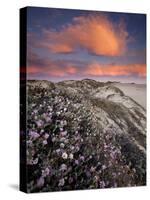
point(97, 69)
point(62, 68)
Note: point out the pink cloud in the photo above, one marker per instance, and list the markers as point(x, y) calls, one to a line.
point(52, 69)
point(96, 69)
point(96, 34)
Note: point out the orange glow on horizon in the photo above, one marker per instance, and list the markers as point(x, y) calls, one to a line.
point(94, 69)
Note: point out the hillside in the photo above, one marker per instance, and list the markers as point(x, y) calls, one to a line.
point(83, 135)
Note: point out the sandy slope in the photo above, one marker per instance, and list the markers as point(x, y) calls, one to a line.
point(135, 91)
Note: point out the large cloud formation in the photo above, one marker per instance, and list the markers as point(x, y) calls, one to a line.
point(96, 34)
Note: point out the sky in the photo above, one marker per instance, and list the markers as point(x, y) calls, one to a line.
point(65, 44)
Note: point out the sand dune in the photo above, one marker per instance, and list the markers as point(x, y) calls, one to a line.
point(135, 91)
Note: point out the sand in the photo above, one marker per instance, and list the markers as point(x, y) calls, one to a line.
point(136, 91)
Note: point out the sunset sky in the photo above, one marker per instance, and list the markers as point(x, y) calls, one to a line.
point(73, 44)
